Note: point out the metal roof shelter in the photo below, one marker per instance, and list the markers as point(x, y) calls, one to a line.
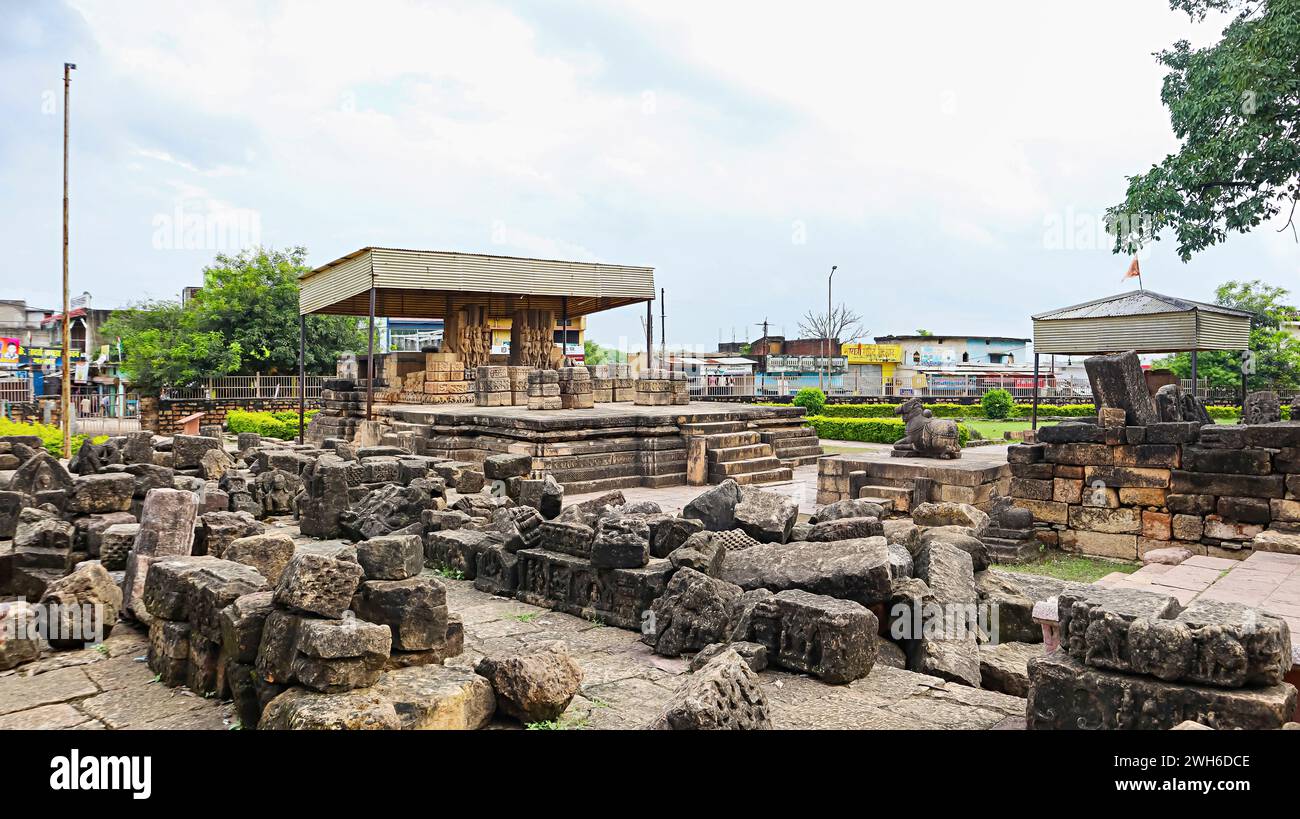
point(431, 283)
point(1142, 321)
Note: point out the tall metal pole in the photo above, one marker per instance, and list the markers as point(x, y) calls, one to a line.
point(1195, 381)
point(370, 361)
point(649, 334)
point(828, 330)
point(65, 402)
point(302, 373)
point(663, 330)
point(1034, 411)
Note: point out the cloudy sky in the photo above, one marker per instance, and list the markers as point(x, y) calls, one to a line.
point(953, 163)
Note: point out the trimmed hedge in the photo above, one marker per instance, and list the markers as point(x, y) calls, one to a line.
point(51, 436)
point(957, 410)
point(281, 425)
point(869, 430)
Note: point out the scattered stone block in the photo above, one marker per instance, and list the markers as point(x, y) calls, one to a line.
point(318, 585)
point(535, 685)
point(693, 612)
point(833, 639)
point(723, 695)
point(1066, 694)
point(848, 569)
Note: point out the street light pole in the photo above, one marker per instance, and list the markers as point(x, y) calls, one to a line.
point(65, 401)
point(827, 343)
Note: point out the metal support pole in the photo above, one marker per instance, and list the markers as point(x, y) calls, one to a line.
point(302, 373)
point(1194, 376)
point(564, 324)
point(370, 362)
point(649, 333)
point(65, 402)
point(1034, 409)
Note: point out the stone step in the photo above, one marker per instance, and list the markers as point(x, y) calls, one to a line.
point(738, 453)
point(782, 452)
point(605, 484)
point(731, 469)
point(782, 434)
point(711, 427)
point(726, 440)
point(776, 422)
point(902, 498)
point(1005, 550)
point(800, 460)
point(766, 476)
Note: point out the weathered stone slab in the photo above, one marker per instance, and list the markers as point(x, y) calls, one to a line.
point(833, 639)
point(414, 609)
point(766, 516)
point(1117, 381)
point(848, 569)
point(1095, 622)
point(1065, 694)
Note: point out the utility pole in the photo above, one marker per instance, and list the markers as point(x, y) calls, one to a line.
point(663, 332)
point(65, 402)
point(827, 344)
point(763, 353)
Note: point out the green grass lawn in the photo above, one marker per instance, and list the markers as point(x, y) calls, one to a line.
point(993, 429)
point(1071, 567)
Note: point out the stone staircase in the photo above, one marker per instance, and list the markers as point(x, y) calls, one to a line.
point(793, 443)
point(734, 451)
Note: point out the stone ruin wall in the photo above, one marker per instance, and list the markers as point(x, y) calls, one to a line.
point(1216, 490)
point(170, 413)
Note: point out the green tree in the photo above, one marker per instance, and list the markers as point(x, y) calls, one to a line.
point(1235, 106)
point(594, 353)
point(244, 320)
point(163, 346)
point(251, 299)
point(1275, 354)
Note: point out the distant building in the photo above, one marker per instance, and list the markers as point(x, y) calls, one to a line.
point(924, 356)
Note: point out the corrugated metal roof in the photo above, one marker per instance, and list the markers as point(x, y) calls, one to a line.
point(431, 282)
point(1135, 303)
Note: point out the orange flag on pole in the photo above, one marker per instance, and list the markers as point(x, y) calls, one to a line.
point(1133, 272)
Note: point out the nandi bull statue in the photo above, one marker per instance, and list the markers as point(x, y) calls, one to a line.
point(926, 436)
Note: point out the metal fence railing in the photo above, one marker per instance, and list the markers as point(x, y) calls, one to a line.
point(245, 387)
point(721, 386)
point(15, 390)
point(90, 404)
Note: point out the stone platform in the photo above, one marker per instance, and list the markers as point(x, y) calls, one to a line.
point(874, 473)
point(617, 445)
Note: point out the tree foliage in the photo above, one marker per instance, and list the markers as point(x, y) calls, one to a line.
point(1236, 108)
point(1275, 353)
point(243, 321)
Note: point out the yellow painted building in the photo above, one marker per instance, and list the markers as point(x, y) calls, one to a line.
point(870, 366)
point(574, 343)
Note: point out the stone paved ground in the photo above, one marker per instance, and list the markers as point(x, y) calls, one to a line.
point(103, 687)
point(624, 683)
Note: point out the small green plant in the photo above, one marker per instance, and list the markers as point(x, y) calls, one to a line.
point(449, 573)
point(598, 622)
point(102, 649)
point(236, 726)
point(997, 404)
point(561, 724)
point(811, 399)
point(525, 618)
point(157, 678)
